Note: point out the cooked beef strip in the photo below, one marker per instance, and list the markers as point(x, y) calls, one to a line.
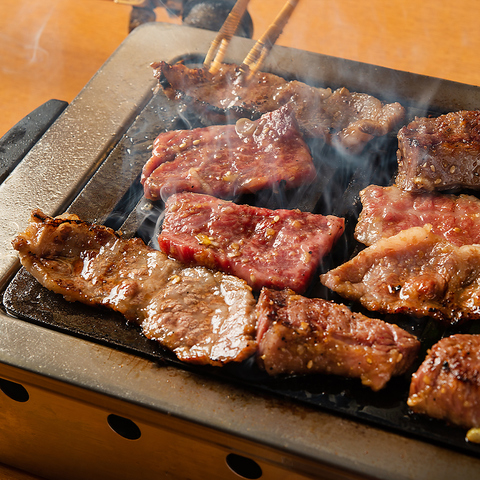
point(440, 153)
point(299, 335)
point(345, 119)
point(388, 210)
point(228, 160)
point(204, 317)
point(415, 272)
point(447, 384)
point(274, 248)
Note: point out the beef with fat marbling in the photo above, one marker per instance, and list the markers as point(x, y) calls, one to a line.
point(414, 272)
point(440, 153)
point(203, 316)
point(299, 335)
point(447, 384)
point(229, 160)
point(274, 248)
point(389, 210)
point(341, 118)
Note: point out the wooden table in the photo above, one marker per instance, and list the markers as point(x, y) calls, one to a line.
point(50, 49)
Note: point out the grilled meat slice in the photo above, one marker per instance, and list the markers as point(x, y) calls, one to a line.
point(205, 317)
point(415, 272)
point(447, 384)
point(389, 210)
point(228, 160)
point(299, 335)
point(440, 153)
point(274, 248)
point(345, 119)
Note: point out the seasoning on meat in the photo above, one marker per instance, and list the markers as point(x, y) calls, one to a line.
point(415, 272)
point(299, 335)
point(274, 248)
point(447, 384)
point(228, 160)
point(345, 119)
point(440, 153)
point(204, 317)
point(389, 210)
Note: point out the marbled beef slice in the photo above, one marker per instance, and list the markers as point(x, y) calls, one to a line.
point(389, 210)
point(299, 335)
point(447, 384)
point(441, 153)
point(274, 248)
point(229, 160)
point(414, 272)
point(347, 120)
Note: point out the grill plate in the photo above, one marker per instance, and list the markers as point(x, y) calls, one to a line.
point(336, 192)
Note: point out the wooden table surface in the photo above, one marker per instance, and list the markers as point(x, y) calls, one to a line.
point(51, 48)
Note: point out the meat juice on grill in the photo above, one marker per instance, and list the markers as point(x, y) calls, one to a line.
point(299, 335)
point(274, 248)
point(447, 384)
point(441, 153)
point(341, 118)
point(387, 211)
point(414, 272)
point(203, 316)
point(229, 160)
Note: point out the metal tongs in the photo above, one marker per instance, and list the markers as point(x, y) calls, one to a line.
point(257, 55)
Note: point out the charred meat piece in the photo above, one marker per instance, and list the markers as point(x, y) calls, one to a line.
point(440, 153)
point(389, 210)
point(274, 248)
point(414, 272)
point(204, 317)
point(228, 160)
point(447, 384)
point(299, 335)
point(345, 119)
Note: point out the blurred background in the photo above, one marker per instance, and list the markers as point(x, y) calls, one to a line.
point(51, 48)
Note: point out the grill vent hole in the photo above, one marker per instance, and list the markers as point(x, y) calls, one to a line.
point(244, 467)
point(13, 390)
point(125, 427)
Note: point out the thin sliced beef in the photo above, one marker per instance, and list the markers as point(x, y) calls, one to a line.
point(447, 384)
point(228, 160)
point(346, 119)
point(440, 153)
point(299, 335)
point(414, 272)
point(389, 210)
point(274, 248)
point(205, 317)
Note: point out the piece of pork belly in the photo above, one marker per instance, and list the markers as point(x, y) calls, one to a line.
point(447, 384)
point(274, 248)
point(414, 272)
point(389, 210)
point(203, 316)
point(341, 118)
point(299, 335)
point(440, 153)
point(228, 160)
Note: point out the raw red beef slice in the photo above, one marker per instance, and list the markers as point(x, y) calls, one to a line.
point(228, 160)
point(274, 248)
